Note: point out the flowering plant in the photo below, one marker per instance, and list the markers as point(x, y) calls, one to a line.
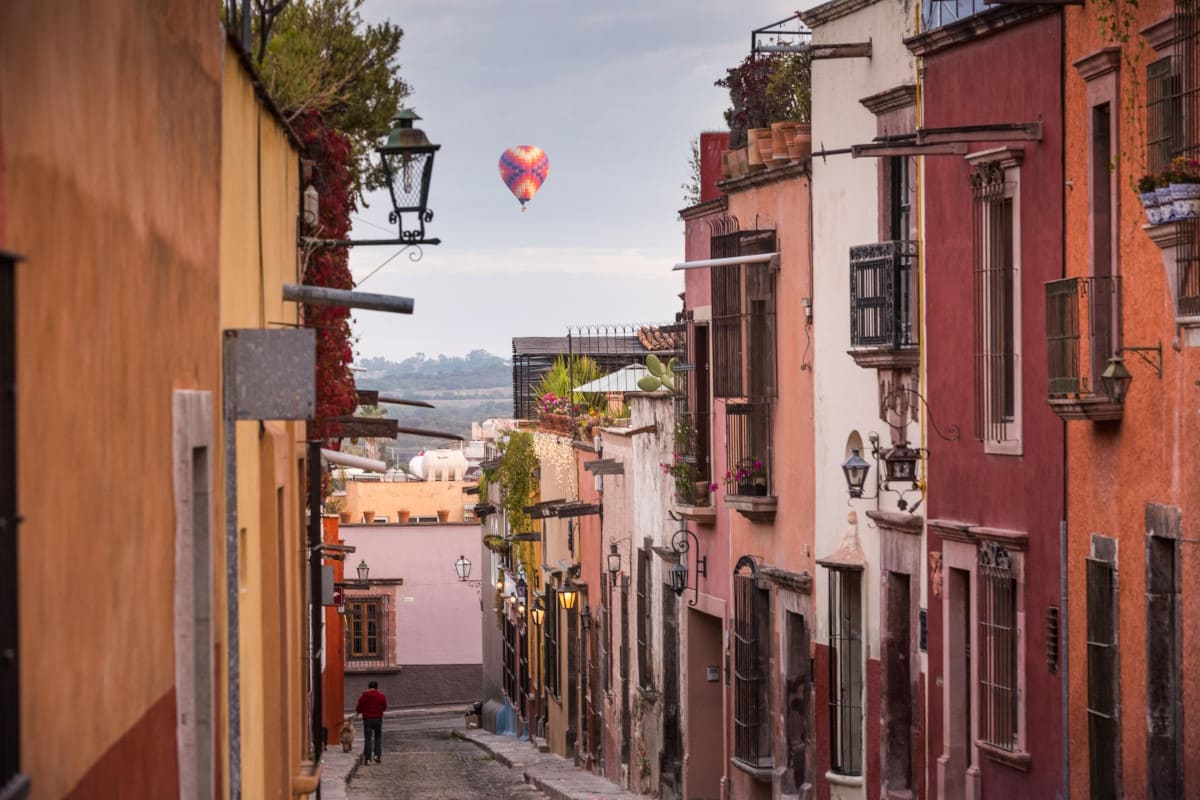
point(550, 403)
point(1185, 170)
point(749, 472)
point(685, 474)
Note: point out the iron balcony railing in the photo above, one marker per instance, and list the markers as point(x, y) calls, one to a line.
point(1083, 317)
point(749, 455)
point(882, 295)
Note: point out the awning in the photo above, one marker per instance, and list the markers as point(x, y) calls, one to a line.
point(758, 258)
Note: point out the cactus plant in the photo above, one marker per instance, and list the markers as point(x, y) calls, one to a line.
point(662, 376)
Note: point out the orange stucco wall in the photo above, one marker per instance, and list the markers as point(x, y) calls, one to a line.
point(109, 109)
point(1115, 469)
point(420, 498)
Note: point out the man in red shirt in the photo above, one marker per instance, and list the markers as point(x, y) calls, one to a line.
point(372, 704)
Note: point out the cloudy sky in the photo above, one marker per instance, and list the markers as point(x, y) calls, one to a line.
point(613, 92)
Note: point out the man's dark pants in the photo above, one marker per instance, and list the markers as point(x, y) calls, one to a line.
point(373, 730)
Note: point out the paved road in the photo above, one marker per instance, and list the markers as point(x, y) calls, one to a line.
point(421, 761)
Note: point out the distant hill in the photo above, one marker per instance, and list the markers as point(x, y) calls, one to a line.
point(464, 389)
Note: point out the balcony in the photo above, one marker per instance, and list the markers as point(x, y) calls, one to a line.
point(883, 305)
point(1082, 332)
point(749, 486)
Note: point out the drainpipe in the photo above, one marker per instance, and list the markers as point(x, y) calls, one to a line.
point(317, 610)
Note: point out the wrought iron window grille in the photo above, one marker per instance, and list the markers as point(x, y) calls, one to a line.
point(882, 295)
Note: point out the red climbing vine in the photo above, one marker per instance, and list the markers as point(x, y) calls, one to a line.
point(329, 267)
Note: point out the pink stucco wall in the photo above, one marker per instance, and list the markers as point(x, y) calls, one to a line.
point(437, 616)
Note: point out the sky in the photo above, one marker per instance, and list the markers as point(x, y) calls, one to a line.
point(614, 92)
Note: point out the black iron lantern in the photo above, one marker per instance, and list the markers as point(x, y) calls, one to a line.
point(521, 589)
point(567, 596)
point(463, 567)
point(537, 613)
point(677, 575)
point(363, 570)
point(855, 467)
point(1116, 380)
point(901, 463)
point(408, 164)
point(585, 618)
point(500, 580)
point(614, 560)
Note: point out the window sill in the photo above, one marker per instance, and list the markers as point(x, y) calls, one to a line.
point(1017, 759)
point(763, 773)
point(838, 779)
point(701, 515)
point(756, 509)
point(885, 356)
point(1097, 408)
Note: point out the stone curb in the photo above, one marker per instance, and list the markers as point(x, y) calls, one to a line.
point(553, 775)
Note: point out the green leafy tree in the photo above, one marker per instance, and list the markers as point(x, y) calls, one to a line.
point(319, 55)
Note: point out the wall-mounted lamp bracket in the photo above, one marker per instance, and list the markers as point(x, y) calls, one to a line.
point(1144, 354)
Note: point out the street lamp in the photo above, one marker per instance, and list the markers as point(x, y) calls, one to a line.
point(537, 613)
point(463, 567)
point(363, 570)
point(408, 164)
point(1116, 379)
point(567, 596)
point(900, 463)
point(585, 618)
point(500, 580)
point(521, 588)
point(614, 561)
point(855, 467)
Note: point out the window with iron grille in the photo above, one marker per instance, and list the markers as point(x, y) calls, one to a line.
point(1186, 60)
point(996, 309)
point(752, 640)
point(845, 671)
point(645, 664)
point(366, 628)
point(997, 613)
point(510, 661)
point(1162, 115)
point(1164, 654)
point(743, 317)
point(605, 645)
point(749, 452)
point(692, 404)
point(882, 301)
point(1081, 326)
point(1103, 660)
point(550, 628)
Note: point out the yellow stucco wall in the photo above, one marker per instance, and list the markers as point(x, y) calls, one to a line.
point(421, 498)
point(110, 120)
point(259, 202)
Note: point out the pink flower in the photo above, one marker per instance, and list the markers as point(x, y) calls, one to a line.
point(712, 487)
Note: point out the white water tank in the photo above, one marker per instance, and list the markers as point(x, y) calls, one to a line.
point(439, 465)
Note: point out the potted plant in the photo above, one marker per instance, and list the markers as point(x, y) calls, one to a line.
point(443, 514)
point(684, 474)
point(1162, 190)
point(368, 516)
point(336, 505)
point(1146, 191)
point(402, 515)
point(1185, 187)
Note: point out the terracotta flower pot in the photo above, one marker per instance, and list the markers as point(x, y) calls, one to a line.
point(727, 164)
point(754, 147)
point(766, 152)
point(741, 162)
point(802, 141)
point(780, 133)
point(443, 514)
point(344, 517)
point(368, 516)
point(402, 516)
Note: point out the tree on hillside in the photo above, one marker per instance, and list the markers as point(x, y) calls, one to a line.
point(320, 56)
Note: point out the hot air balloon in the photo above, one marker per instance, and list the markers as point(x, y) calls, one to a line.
point(524, 169)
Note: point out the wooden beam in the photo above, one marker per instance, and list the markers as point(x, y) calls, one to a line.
point(430, 434)
point(884, 149)
point(365, 427)
point(1004, 132)
point(856, 50)
point(367, 397)
point(396, 401)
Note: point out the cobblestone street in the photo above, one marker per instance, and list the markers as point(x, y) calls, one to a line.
point(423, 761)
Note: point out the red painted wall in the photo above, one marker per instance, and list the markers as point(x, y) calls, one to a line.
point(333, 677)
point(965, 85)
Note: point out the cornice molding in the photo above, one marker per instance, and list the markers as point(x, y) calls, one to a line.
point(835, 9)
point(765, 177)
point(1100, 62)
point(975, 27)
point(894, 99)
point(704, 209)
point(1160, 35)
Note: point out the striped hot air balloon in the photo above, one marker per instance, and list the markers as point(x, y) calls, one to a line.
point(524, 169)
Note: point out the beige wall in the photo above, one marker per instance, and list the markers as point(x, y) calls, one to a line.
point(421, 498)
point(111, 128)
point(259, 202)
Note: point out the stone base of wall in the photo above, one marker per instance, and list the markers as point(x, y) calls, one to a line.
point(417, 685)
